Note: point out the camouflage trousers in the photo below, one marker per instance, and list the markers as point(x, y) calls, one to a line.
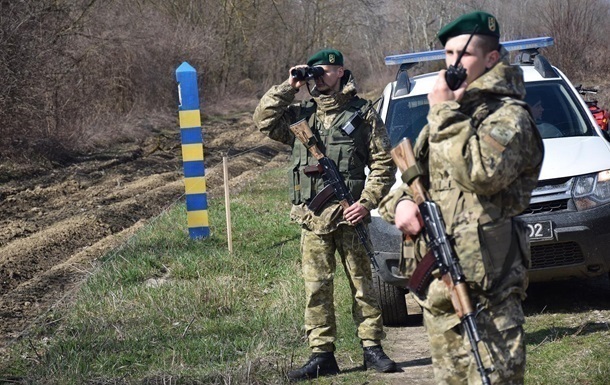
point(502, 349)
point(319, 266)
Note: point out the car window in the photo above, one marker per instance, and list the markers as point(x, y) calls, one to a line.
point(556, 111)
point(406, 118)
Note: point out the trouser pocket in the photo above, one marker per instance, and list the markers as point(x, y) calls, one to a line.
point(497, 250)
point(521, 234)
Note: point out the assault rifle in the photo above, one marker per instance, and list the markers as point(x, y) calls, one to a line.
point(333, 182)
point(441, 254)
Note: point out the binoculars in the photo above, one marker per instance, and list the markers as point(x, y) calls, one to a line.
point(307, 73)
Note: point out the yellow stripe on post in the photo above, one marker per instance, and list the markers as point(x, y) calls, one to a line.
point(189, 118)
point(195, 185)
point(192, 152)
point(197, 218)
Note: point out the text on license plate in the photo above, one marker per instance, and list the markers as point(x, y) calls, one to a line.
point(540, 231)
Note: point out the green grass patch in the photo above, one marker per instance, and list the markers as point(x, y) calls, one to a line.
point(167, 309)
point(164, 309)
point(567, 349)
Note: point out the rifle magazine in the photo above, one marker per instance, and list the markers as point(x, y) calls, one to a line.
point(419, 281)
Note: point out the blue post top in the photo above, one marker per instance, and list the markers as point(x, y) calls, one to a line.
point(188, 92)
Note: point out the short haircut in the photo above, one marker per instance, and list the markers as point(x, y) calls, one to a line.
point(489, 43)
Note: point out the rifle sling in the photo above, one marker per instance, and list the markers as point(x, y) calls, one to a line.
point(321, 198)
point(411, 173)
point(419, 281)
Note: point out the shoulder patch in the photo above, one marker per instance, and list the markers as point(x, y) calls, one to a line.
point(492, 142)
point(502, 135)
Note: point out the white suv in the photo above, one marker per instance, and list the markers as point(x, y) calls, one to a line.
point(569, 213)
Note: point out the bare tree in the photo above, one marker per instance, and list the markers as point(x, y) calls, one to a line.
point(71, 69)
point(580, 29)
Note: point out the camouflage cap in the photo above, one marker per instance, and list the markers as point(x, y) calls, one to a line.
point(485, 23)
point(326, 57)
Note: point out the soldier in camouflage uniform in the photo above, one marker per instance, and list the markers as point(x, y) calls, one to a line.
point(330, 229)
point(482, 154)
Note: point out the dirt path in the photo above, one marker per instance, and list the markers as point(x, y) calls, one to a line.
point(408, 346)
point(55, 223)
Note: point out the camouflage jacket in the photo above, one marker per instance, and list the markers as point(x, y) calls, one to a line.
point(483, 155)
point(276, 111)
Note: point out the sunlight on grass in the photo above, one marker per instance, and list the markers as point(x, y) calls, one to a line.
point(567, 349)
point(166, 309)
point(165, 305)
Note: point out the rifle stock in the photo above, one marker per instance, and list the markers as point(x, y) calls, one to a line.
point(303, 133)
point(404, 158)
point(441, 249)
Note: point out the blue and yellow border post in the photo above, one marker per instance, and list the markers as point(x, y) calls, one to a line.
point(192, 152)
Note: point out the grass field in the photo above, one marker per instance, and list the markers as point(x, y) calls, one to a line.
point(163, 309)
point(166, 309)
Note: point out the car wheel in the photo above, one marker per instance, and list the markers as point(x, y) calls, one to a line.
point(392, 302)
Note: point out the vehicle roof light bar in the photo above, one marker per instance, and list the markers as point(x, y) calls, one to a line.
point(439, 54)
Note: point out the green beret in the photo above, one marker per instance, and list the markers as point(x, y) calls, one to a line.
point(487, 25)
point(326, 57)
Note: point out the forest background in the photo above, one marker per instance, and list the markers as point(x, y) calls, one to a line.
point(80, 75)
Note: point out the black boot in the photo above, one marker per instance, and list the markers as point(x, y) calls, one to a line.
point(319, 364)
point(375, 358)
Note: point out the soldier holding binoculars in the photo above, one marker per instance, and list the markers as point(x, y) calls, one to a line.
point(330, 228)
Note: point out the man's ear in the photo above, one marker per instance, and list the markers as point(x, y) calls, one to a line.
point(340, 71)
point(492, 58)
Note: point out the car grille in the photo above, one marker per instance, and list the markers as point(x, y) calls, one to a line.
point(551, 195)
point(556, 254)
point(545, 207)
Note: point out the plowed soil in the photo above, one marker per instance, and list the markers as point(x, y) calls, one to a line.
point(55, 222)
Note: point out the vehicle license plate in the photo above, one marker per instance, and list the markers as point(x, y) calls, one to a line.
point(540, 231)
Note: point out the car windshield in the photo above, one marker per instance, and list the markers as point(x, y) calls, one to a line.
point(406, 117)
point(557, 113)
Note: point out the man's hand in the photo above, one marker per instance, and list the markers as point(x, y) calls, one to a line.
point(296, 84)
point(407, 218)
point(442, 93)
point(355, 213)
